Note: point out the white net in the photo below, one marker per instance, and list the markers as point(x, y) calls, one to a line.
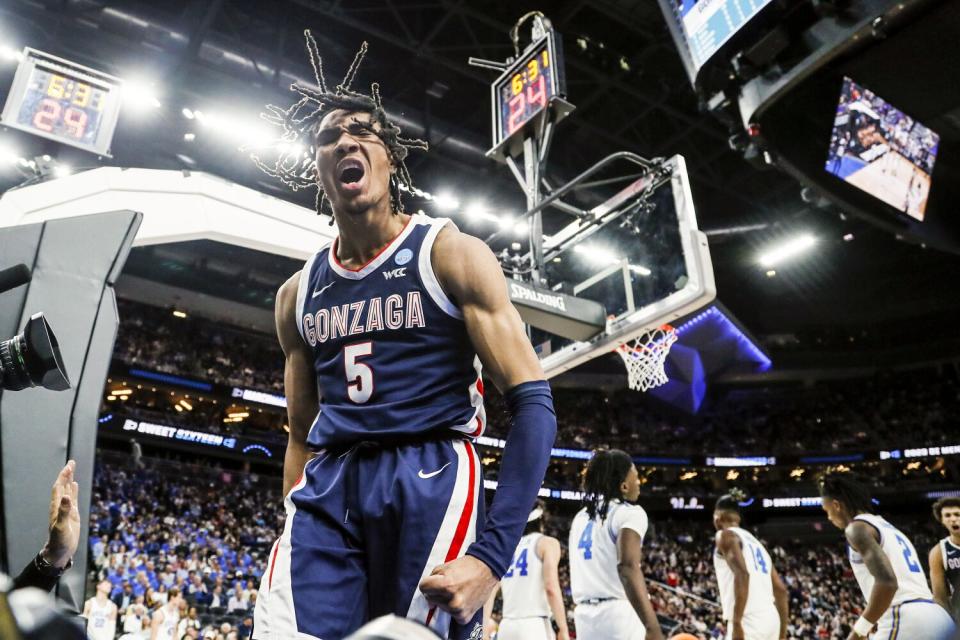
point(645, 355)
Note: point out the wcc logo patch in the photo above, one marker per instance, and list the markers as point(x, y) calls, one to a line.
point(395, 273)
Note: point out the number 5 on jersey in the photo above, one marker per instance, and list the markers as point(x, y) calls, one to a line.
point(359, 375)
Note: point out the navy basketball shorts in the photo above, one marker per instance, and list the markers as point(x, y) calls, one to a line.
point(363, 528)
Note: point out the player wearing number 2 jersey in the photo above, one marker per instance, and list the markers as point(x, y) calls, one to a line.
point(754, 599)
point(606, 538)
point(900, 605)
point(384, 332)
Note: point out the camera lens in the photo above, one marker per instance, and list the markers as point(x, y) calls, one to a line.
point(32, 359)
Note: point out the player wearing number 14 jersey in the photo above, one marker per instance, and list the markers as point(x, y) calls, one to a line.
point(606, 538)
point(384, 331)
point(753, 598)
point(899, 604)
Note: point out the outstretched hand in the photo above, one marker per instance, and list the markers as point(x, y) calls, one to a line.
point(64, 535)
point(459, 587)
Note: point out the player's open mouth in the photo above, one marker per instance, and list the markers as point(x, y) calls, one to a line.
point(350, 172)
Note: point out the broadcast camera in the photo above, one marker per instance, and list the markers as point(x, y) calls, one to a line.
point(32, 357)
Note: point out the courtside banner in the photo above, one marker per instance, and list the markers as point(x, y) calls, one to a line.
point(567, 316)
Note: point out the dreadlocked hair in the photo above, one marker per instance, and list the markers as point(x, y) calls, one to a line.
point(730, 501)
point(300, 120)
point(849, 492)
point(602, 478)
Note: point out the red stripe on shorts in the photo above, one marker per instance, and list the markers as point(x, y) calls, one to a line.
point(273, 564)
point(464, 523)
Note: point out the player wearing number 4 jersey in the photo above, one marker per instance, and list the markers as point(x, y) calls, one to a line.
point(606, 538)
point(887, 568)
point(384, 332)
point(531, 587)
point(754, 599)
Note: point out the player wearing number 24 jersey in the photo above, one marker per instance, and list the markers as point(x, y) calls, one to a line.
point(531, 587)
point(606, 538)
point(899, 605)
point(753, 598)
point(384, 332)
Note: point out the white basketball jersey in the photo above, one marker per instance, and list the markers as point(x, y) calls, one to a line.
point(911, 581)
point(593, 550)
point(524, 595)
point(99, 624)
point(168, 627)
point(760, 600)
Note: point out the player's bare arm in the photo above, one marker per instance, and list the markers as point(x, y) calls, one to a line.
point(471, 276)
point(630, 570)
point(548, 550)
point(155, 625)
point(299, 383)
point(781, 599)
point(728, 544)
point(938, 578)
point(863, 539)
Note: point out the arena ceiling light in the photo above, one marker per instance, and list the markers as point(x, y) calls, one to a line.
point(246, 132)
point(789, 249)
point(446, 202)
point(9, 54)
point(139, 95)
point(9, 154)
point(601, 256)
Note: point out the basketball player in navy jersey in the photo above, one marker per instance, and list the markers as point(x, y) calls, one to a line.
point(945, 557)
point(384, 332)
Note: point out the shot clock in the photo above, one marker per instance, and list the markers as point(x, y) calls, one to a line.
point(530, 85)
point(62, 101)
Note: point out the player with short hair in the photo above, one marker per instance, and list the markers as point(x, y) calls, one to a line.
point(945, 557)
point(101, 613)
point(899, 603)
point(165, 619)
point(384, 332)
point(754, 599)
point(531, 587)
point(606, 540)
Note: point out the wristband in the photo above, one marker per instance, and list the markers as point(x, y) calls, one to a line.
point(863, 627)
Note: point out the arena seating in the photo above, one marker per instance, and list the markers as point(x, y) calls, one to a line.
point(208, 531)
point(895, 409)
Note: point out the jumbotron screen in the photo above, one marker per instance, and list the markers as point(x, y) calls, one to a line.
point(707, 24)
point(881, 150)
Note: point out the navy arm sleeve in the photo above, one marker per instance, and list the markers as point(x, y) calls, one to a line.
point(533, 427)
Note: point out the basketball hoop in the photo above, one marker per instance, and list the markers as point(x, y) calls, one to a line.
point(645, 355)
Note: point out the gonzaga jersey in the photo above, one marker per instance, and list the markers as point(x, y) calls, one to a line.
point(911, 581)
point(390, 349)
point(760, 595)
point(951, 568)
point(593, 550)
point(524, 595)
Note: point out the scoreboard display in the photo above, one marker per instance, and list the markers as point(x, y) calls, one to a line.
point(62, 101)
point(527, 88)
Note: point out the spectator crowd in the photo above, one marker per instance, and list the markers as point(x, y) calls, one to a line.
point(891, 410)
point(161, 526)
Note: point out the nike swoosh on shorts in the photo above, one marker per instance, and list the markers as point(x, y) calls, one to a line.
point(427, 476)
